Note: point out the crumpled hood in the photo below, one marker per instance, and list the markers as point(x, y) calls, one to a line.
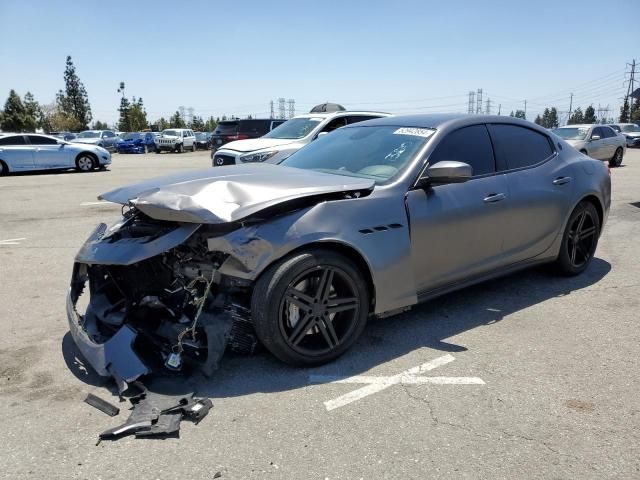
point(256, 144)
point(230, 193)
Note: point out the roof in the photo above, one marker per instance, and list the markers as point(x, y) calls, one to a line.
point(440, 120)
point(583, 125)
point(341, 113)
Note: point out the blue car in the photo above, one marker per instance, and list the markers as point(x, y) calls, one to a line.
point(137, 143)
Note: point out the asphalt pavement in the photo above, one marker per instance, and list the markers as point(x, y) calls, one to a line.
point(528, 376)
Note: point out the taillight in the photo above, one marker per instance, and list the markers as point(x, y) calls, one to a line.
point(238, 136)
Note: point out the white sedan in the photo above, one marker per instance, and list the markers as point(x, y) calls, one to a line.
point(30, 151)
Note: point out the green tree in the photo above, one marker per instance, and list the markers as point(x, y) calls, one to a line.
point(590, 115)
point(624, 111)
point(538, 120)
point(162, 124)
point(576, 117)
point(98, 125)
point(210, 125)
point(137, 116)
point(197, 124)
point(14, 115)
point(634, 114)
point(553, 118)
point(73, 102)
point(520, 114)
point(545, 118)
point(176, 121)
point(33, 113)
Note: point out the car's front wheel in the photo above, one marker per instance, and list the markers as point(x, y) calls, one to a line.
point(85, 163)
point(308, 309)
point(616, 161)
point(193, 147)
point(580, 240)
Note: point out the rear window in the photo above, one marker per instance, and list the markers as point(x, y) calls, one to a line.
point(254, 127)
point(12, 140)
point(519, 147)
point(227, 127)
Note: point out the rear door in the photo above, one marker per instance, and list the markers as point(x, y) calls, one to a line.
point(598, 147)
point(109, 138)
point(611, 142)
point(47, 153)
point(16, 153)
point(457, 229)
point(540, 185)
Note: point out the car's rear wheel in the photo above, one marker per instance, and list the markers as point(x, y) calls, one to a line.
point(3, 169)
point(580, 240)
point(616, 161)
point(308, 309)
point(181, 148)
point(146, 149)
point(85, 163)
point(193, 147)
point(158, 150)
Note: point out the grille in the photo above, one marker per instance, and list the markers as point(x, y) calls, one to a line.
point(220, 160)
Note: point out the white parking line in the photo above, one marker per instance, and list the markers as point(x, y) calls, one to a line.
point(102, 202)
point(377, 384)
point(12, 241)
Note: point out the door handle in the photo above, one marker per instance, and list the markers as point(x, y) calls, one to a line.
point(561, 180)
point(494, 197)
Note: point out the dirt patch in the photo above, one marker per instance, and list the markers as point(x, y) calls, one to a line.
point(579, 405)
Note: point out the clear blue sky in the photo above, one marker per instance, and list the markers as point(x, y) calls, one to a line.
point(232, 57)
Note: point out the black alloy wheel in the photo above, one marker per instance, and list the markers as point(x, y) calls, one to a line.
point(580, 239)
point(309, 309)
point(616, 161)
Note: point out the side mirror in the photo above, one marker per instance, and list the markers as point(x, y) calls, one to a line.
point(446, 172)
point(595, 137)
point(321, 134)
point(61, 142)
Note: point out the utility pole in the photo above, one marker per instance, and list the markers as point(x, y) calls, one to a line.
point(479, 101)
point(570, 106)
point(631, 87)
point(499, 108)
point(525, 109)
point(472, 102)
point(487, 110)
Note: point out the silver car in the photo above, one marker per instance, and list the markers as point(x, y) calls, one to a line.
point(106, 139)
point(631, 133)
point(30, 151)
point(598, 141)
point(368, 220)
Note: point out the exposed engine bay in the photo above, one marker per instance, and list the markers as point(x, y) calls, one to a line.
point(173, 310)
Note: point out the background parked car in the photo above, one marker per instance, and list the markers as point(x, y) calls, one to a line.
point(288, 137)
point(68, 136)
point(231, 130)
point(176, 140)
point(19, 153)
point(142, 142)
point(597, 141)
point(102, 138)
point(203, 140)
point(631, 133)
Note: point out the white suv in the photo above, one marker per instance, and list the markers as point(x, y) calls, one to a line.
point(289, 137)
point(176, 140)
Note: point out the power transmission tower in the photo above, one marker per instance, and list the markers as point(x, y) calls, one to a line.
point(472, 102)
point(525, 109)
point(487, 109)
point(479, 101)
point(631, 86)
point(281, 109)
point(273, 112)
point(292, 107)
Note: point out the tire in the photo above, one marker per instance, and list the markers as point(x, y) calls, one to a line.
point(181, 148)
point(193, 147)
point(4, 170)
point(85, 163)
point(158, 151)
point(616, 161)
point(576, 254)
point(295, 284)
point(146, 149)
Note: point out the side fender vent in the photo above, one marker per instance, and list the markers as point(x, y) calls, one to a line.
point(380, 228)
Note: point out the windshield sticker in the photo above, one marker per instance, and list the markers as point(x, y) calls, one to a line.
point(416, 132)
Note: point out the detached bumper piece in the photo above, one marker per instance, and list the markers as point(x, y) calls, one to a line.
point(157, 415)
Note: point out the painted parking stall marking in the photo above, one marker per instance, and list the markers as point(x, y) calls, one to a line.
point(375, 384)
point(11, 241)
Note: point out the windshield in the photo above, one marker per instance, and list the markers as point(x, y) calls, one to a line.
point(630, 128)
point(294, 128)
point(170, 133)
point(227, 127)
point(378, 153)
point(89, 134)
point(572, 133)
point(132, 136)
point(201, 136)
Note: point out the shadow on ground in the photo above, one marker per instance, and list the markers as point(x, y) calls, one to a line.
point(427, 325)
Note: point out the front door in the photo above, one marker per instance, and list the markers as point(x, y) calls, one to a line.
point(457, 229)
point(48, 153)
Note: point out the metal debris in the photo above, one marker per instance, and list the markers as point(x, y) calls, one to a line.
point(102, 405)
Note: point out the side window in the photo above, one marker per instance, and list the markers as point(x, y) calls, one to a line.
point(276, 123)
point(359, 118)
point(470, 145)
point(335, 124)
point(519, 147)
point(597, 131)
point(616, 128)
point(109, 134)
point(12, 140)
point(38, 140)
point(608, 132)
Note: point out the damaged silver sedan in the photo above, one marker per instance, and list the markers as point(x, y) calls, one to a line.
point(368, 220)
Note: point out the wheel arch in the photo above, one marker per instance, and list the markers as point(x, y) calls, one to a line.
point(593, 199)
point(87, 152)
point(5, 167)
point(347, 250)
